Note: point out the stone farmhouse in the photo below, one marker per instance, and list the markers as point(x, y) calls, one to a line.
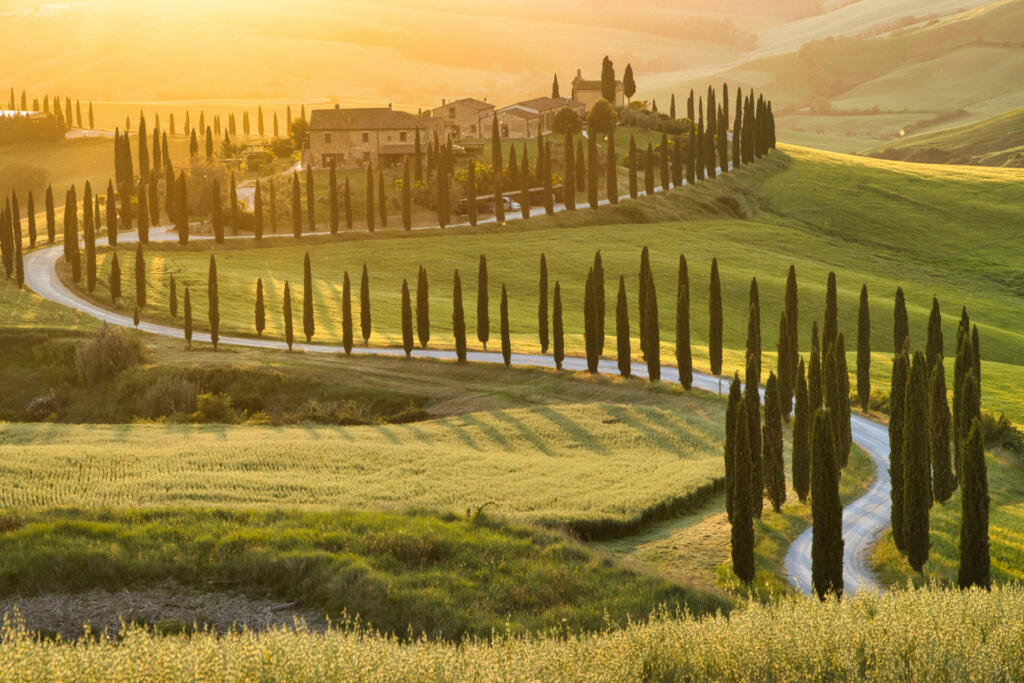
point(528, 118)
point(463, 116)
point(380, 136)
point(589, 92)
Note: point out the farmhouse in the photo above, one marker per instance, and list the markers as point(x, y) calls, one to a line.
point(380, 136)
point(589, 92)
point(463, 116)
point(528, 119)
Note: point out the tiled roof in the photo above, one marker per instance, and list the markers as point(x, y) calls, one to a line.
point(380, 118)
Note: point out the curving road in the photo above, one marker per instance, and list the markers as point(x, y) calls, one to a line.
point(863, 520)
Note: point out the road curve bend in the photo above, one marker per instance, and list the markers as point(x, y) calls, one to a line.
point(864, 519)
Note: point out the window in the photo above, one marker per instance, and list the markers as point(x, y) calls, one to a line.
point(451, 112)
point(504, 130)
point(327, 138)
point(366, 156)
point(366, 137)
point(403, 136)
point(472, 129)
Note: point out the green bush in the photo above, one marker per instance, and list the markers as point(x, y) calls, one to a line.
point(168, 395)
point(1001, 433)
point(110, 351)
point(215, 408)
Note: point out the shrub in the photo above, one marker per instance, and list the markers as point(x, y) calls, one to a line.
point(111, 350)
point(215, 408)
point(168, 395)
point(1001, 433)
point(282, 148)
point(43, 408)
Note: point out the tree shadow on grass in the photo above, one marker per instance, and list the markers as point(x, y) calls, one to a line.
point(572, 429)
point(523, 431)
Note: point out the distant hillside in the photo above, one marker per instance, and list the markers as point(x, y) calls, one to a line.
point(998, 141)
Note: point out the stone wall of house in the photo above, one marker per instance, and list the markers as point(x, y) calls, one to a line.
point(353, 148)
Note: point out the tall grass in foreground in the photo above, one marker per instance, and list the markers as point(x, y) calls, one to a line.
point(924, 635)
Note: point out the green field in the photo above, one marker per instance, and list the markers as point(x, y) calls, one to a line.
point(998, 141)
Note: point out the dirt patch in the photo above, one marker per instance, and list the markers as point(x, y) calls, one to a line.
point(169, 608)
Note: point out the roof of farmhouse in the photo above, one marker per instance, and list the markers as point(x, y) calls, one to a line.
point(377, 118)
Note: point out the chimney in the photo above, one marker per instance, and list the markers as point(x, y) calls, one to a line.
point(389, 105)
point(579, 73)
point(444, 102)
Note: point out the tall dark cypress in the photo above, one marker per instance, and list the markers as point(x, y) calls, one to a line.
point(569, 182)
point(296, 206)
point(653, 334)
point(624, 354)
point(917, 464)
point(181, 209)
point(649, 171)
point(88, 234)
point(310, 199)
point(257, 212)
point(897, 421)
point(154, 198)
point(664, 175)
point(715, 321)
point(217, 218)
point(173, 297)
point(815, 388)
point(140, 278)
point(115, 280)
point(831, 329)
point(213, 292)
point(590, 324)
point(188, 317)
point(31, 210)
point(289, 331)
point(506, 340)
point(684, 353)
point(934, 345)
point(864, 350)
point(458, 319)
point(599, 300)
point(557, 335)
point(691, 156)
point(370, 218)
point(581, 168)
point(51, 215)
point(418, 157)
point(975, 561)
point(939, 435)
point(542, 305)
point(346, 314)
point(422, 308)
point(593, 171)
point(406, 319)
point(841, 402)
point(754, 329)
point(483, 317)
point(737, 131)
point(752, 401)
point(471, 206)
point(71, 248)
point(611, 166)
point(634, 189)
point(524, 185)
point(497, 164)
point(826, 513)
point(308, 324)
point(332, 197)
point(645, 274)
point(774, 469)
point(785, 370)
point(901, 326)
point(677, 161)
point(382, 199)
point(143, 212)
point(744, 491)
point(260, 311)
point(364, 306)
point(801, 437)
point(969, 402)
point(732, 412)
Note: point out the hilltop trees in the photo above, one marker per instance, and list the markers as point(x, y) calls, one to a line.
point(422, 308)
point(369, 198)
point(590, 324)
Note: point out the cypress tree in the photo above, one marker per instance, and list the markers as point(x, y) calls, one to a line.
point(976, 355)
point(542, 306)
point(498, 165)
point(257, 212)
point(348, 205)
point(209, 144)
point(88, 233)
point(653, 334)
point(115, 280)
point(418, 157)
point(170, 192)
point(557, 337)
point(815, 390)
point(785, 370)
point(506, 341)
point(218, 214)
point(901, 326)
point(422, 308)
point(841, 402)
point(31, 209)
point(732, 412)
point(346, 314)
point(51, 216)
point(744, 491)
point(483, 319)
point(864, 350)
point(645, 274)
point(581, 168)
point(233, 203)
point(622, 331)
point(970, 408)
point(382, 199)
point(752, 401)
point(549, 188)
point(917, 464)
point(801, 438)
point(369, 198)
point(72, 253)
point(754, 330)
point(700, 165)
point(831, 329)
point(677, 161)
point(612, 172)
point(593, 172)
point(181, 215)
point(143, 211)
point(458, 319)
point(214, 294)
point(471, 208)
point(649, 171)
point(715, 321)
point(569, 183)
point(897, 411)
point(684, 354)
point(599, 300)
point(975, 562)
point(938, 435)
point(19, 267)
point(737, 131)
point(663, 163)
point(310, 199)
point(260, 312)
point(774, 472)
point(691, 159)
point(188, 317)
point(296, 206)
point(634, 189)
point(332, 197)
point(364, 306)
point(173, 298)
point(193, 145)
point(934, 346)
point(406, 319)
point(590, 324)
point(826, 513)
point(289, 333)
point(140, 278)
point(524, 186)
point(308, 324)
point(154, 198)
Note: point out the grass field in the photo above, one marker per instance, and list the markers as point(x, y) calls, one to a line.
point(904, 229)
point(998, 141)
point(930, 634)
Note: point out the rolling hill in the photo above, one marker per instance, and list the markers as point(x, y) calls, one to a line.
point(998, 141)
